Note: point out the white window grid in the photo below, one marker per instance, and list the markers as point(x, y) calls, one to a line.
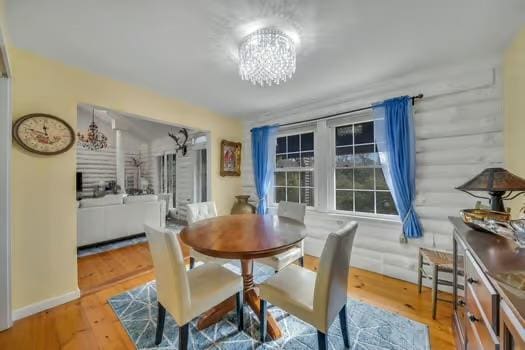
point(300, 169)
point(376, 168)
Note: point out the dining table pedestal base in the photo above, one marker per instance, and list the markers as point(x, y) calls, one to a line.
point(251, 298)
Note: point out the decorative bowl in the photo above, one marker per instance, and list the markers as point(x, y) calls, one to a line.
point(519, 229)
point(476, 218)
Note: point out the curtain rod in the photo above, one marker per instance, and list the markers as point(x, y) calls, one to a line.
point(420, 96)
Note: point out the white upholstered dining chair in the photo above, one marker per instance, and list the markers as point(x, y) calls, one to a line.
point(197, 212)
point(187, 294)
point(316, 298)
point(295, 211)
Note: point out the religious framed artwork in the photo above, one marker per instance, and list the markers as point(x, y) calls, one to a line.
point(230, 158)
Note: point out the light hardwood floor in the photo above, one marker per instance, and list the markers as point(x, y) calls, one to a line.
point(89, 322)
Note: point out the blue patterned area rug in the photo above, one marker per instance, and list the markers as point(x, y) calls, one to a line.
point(369, 327)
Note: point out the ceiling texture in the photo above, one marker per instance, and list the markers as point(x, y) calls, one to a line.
point(188, 49)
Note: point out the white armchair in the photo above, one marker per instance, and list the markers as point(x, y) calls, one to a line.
point(187, 294)
point(314, 298)
point(295, 211)
point(198, 212)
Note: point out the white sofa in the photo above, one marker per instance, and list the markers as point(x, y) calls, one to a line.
point(117, 216)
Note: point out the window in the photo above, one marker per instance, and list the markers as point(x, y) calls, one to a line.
point(167, 173)
point(294, 169)
point(201, 191)
point(360, 185)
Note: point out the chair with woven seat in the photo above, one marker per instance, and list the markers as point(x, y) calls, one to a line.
point(198, 212)
point(295, 211)
point(439, 261)
point(315, 298)
point(187, 294)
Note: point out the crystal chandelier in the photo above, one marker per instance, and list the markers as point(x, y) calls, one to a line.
point(93, 139)
point(267, 57)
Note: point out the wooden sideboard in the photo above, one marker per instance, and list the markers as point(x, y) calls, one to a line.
point(488, 314)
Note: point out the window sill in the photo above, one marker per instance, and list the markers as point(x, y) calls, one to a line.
point(335, 215)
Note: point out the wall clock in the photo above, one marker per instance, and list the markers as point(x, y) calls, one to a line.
point(43, 134)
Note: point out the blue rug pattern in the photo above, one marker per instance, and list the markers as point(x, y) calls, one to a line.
point(369, 327)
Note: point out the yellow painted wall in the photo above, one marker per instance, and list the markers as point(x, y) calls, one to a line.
point(514, 107)
point(44, 206)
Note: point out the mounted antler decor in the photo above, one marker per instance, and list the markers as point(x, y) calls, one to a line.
point(180, 139)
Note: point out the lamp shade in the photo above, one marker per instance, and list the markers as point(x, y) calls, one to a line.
point(494, 180)
point(498, 182)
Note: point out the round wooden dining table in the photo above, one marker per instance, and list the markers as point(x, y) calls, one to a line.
point(244, 237)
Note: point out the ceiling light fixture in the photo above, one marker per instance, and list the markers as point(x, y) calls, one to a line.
point(93, 139)
point(266, 57)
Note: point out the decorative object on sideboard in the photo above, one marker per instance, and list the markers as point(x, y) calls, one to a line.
point(137, 162)
point(43, 134)
point(477, 218)
point(500, 185)
point(230, 158)
point(180, 139)
point(112, 187)
point(99, 190)
point(242, 206)
point(93, 139)
point(496, 222)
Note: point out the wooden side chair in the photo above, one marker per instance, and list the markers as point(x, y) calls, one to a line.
point(439, 261)
point(295, 211)
point(187, 294)
point(196, 213)
point(316, 298)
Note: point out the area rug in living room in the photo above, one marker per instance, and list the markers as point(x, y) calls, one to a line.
point(369, 327)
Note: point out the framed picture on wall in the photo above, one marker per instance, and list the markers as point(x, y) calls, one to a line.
point(230, 158)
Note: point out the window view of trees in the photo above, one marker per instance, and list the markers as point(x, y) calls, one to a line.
point(360, 185)
point(294, 173)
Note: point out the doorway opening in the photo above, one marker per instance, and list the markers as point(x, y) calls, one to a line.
point(141, 176)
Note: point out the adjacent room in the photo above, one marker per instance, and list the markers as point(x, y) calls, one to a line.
point(262, 174)
point(131, 171)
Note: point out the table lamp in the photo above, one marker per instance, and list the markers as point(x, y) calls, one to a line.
point(499, 183)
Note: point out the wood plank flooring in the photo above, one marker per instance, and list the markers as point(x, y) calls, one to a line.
point(89, 322)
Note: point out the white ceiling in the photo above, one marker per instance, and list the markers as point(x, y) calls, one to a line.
point(186, 49)
point(139, 127)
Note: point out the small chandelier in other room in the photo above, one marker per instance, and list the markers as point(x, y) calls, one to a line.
point(267, 57)
point(93, 139)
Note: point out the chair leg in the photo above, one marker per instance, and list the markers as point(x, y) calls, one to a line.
point(183, 336)
point(434, 290)
point(321, 340)
point(262, 320)
point(419, 272)
point(344, 326)
point(192, 262)
point(301, 261)
point(240, 311)
point(161, 316)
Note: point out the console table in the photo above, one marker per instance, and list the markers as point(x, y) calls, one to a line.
point(488, 314)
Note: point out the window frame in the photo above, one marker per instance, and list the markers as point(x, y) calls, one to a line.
point(324, 167)
point(358, 119)
point(293, 132)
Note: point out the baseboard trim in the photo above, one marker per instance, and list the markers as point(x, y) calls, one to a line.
point(35, 308)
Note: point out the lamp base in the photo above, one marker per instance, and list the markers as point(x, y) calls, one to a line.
point(496, 202)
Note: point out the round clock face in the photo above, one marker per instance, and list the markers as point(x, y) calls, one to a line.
point(43, 134)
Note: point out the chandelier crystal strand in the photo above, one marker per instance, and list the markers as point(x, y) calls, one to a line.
point(267, 57)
